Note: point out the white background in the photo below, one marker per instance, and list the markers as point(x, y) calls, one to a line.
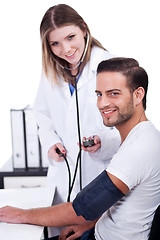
point(127, 28)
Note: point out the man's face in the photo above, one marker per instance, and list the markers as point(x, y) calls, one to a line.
point(114, 100)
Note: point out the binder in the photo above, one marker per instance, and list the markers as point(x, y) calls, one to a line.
point(32, 140)
point(26, 150)
point(18, 139)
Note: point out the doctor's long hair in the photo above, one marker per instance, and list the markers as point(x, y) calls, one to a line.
point(58, 16)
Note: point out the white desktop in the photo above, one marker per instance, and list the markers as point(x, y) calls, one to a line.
point(24, 198)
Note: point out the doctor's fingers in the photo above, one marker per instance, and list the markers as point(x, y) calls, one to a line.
point(92, 149)
point(61, 148)
point(97, 139)
point(53, 155)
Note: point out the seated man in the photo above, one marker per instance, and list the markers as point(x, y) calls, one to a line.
point(123, 198)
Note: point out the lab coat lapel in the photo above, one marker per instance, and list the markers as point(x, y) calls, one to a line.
point(90, 68)
point(63, 88)
point(86, 76)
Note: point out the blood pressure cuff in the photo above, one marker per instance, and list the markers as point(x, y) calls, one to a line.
point(96, 197)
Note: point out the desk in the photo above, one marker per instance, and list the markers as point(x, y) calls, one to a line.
point(7, 172)
point(24, 198)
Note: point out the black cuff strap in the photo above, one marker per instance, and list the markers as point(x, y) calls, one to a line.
point(96, 197)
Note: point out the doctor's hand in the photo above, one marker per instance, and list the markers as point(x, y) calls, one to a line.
point(95, 147)
point(52, 153)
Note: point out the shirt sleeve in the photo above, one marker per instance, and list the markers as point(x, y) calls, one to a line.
point(129, 165)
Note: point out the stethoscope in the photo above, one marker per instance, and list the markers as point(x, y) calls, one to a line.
point(79, 158)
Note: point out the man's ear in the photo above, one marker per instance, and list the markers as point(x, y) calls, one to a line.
point(139, 95)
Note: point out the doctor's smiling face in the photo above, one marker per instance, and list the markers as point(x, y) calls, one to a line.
point(114, 99)
point(68, 43)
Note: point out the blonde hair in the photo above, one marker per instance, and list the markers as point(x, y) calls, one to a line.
point(58, 16)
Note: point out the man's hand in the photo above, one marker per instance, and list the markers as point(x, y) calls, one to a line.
point(73, 232)
point(11, 214)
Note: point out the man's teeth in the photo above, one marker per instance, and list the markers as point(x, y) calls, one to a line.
point(108, 112)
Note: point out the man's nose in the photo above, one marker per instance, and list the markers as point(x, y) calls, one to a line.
point(103, 102)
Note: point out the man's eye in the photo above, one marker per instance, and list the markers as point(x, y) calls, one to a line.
point(99, 94)
point(71, 36)
point(114, 93)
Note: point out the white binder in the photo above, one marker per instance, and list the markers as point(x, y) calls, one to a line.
point(32, 141)
point(27, 152)
point(18, 138)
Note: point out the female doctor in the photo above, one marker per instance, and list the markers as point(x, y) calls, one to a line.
point(68, 50)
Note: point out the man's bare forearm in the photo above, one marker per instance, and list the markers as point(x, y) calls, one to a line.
point(56, 216)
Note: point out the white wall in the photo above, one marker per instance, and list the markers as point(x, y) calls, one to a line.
point(125, 27)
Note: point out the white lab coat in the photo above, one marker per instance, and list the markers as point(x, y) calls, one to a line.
point(55, 110)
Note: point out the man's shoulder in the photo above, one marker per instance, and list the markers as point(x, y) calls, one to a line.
point(143, 132)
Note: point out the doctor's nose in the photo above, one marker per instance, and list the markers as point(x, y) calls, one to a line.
point(66, 47)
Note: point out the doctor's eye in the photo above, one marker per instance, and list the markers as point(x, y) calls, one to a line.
point(71, 36)
point(54, 44)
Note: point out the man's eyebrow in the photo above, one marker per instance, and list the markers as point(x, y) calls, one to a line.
point(108, 91)
point(113, 90)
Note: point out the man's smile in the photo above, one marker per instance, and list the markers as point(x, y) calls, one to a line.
point(108, 113)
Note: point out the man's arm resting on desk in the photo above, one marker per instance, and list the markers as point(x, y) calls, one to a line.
point(90, 204)
point(59, 215)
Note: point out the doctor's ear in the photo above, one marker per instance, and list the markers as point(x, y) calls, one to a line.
point(139, 95)
point(84, 29)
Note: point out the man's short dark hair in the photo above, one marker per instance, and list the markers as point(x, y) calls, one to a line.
point(136, 76)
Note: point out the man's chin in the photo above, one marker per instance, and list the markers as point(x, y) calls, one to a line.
point(108, 124)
